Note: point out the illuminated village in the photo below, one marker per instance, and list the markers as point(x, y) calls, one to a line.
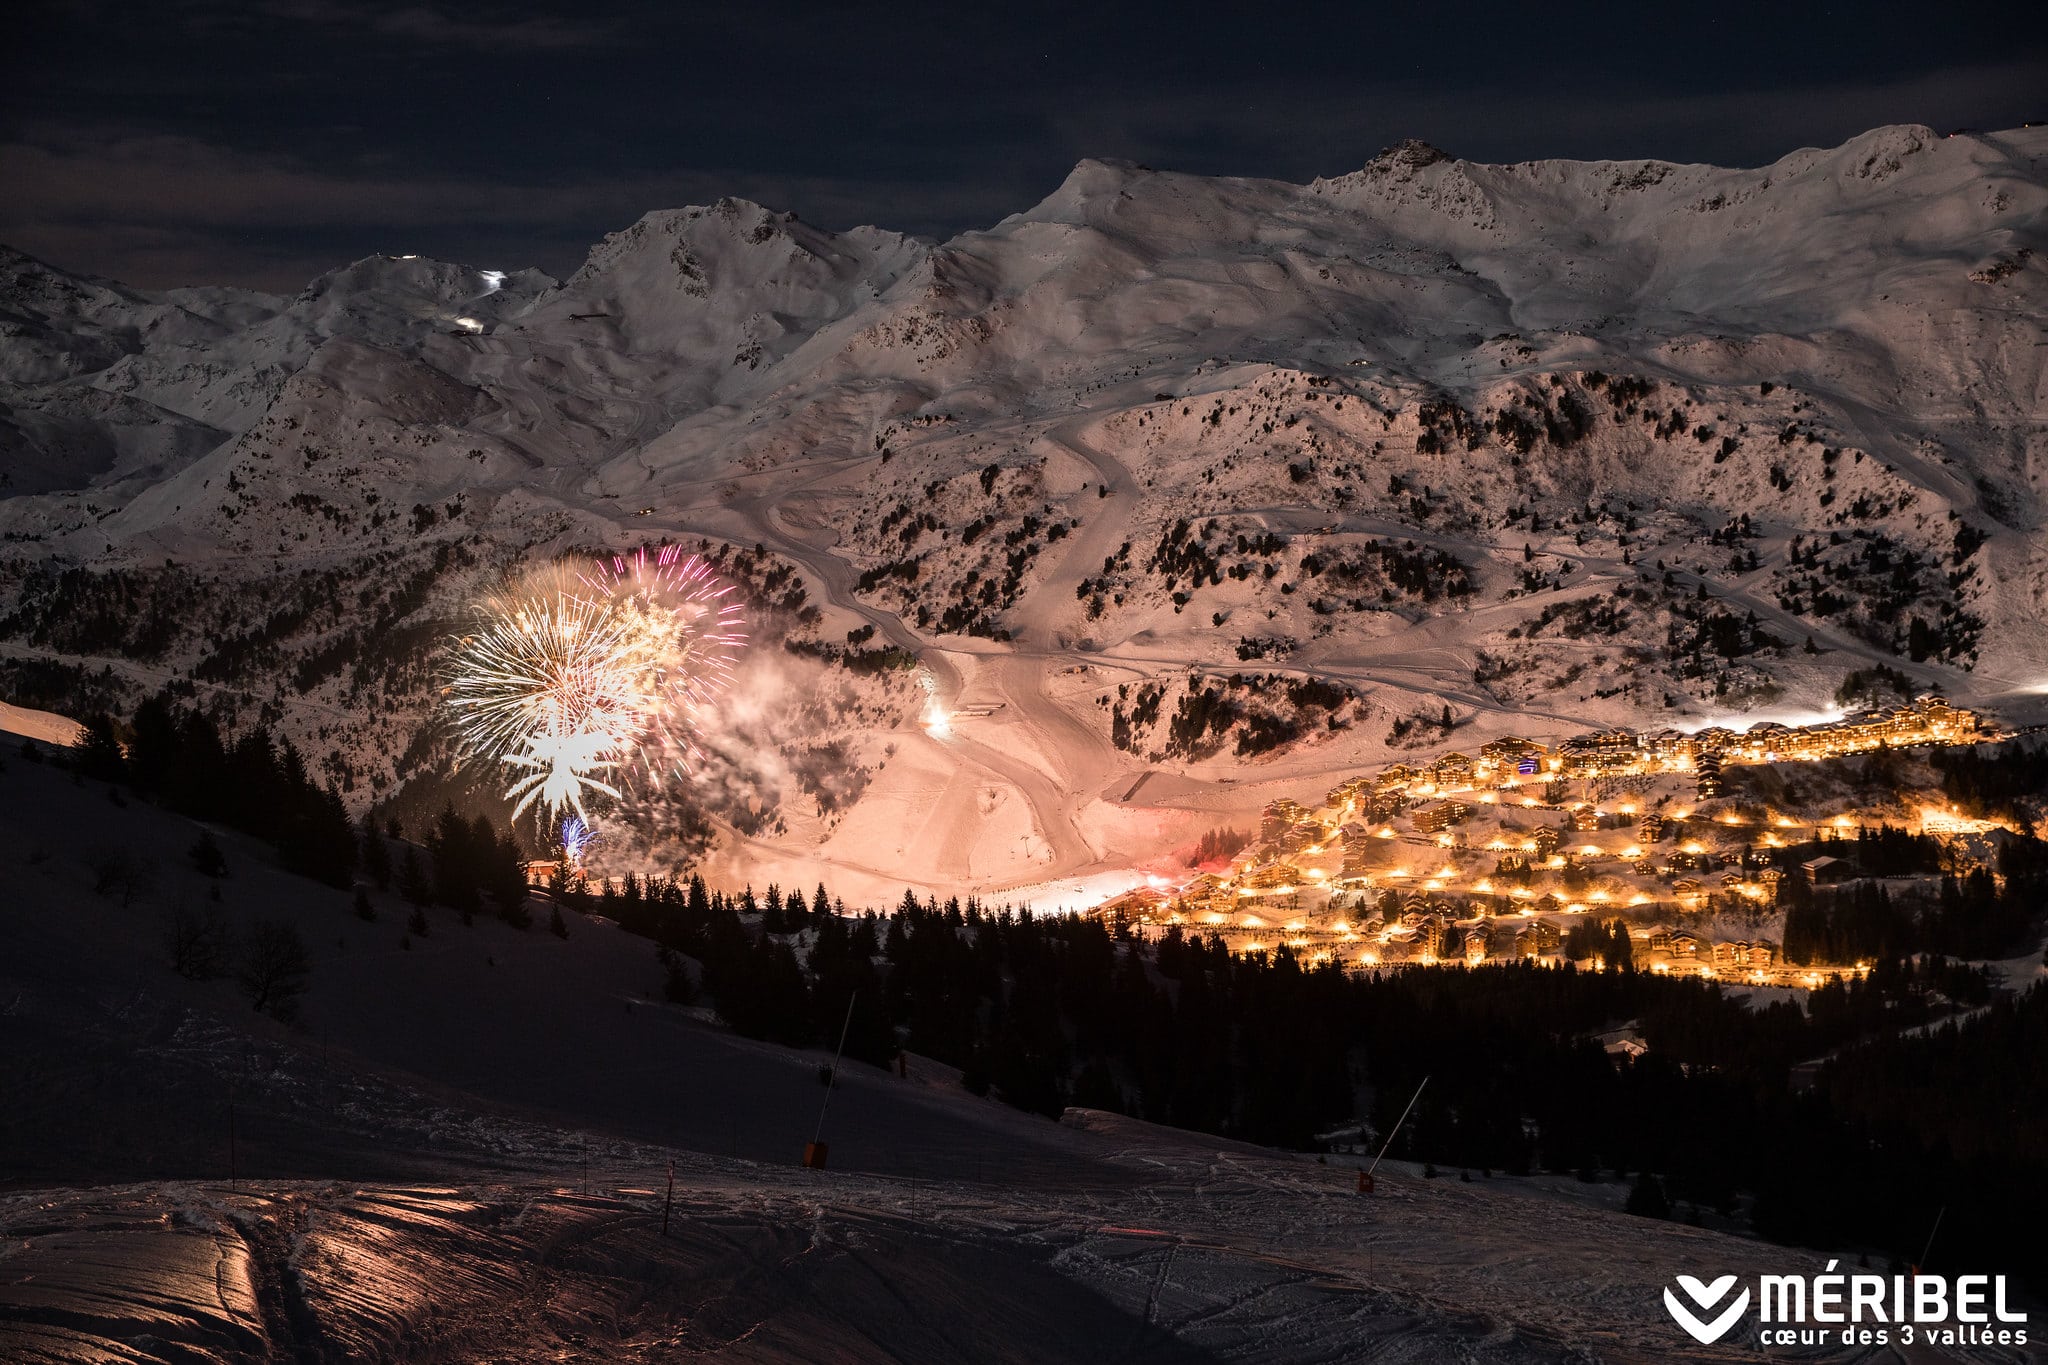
point(1471, 859)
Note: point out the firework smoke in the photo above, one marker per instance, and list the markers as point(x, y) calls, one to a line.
point(576, 680)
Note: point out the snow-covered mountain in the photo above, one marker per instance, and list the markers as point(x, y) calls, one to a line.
point(1184, 492)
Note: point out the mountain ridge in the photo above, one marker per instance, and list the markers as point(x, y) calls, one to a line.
point(1511, 439)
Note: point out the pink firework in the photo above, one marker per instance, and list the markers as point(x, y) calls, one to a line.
point(692, 626)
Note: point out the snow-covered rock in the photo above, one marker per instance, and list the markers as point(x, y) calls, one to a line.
point(1552, 444)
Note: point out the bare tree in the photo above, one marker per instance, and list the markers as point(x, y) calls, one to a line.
point(117, 872)
point(198, 942)
point(273, 968)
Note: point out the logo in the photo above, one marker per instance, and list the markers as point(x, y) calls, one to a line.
point(1706, 1296)
point(1526, 767)
point(1868, 1309)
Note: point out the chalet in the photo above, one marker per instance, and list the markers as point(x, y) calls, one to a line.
point(1625, 1043)
point(1304, 833)
point(1357, 851)
point(1349, 793)
point(1666, 746)
point(1768, 740)
point(1442, 816)
point(1475, 946)
point(1826, 870)
point(1278, 817)
point(1708, 783)
point(1606, 751)
point(1206, 894)
point(1430, 936)
point(1509, 751)
point(1453, 770)
point(1684, 943)
point(1951, 723)
point(1712, 740)
point(1140, 903)
point(1547, 841)
point(1273, 876)
point(1384, 806)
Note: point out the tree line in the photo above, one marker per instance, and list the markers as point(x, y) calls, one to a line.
point(177, 757)
point(1048, 1011)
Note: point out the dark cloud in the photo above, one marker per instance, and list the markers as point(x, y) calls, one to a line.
point(262, 142)
point(424, 24)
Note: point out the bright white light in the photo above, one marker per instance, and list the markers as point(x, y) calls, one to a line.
point(936, 722)
point(1741, 724)
point(494, 280)
point(469, 324)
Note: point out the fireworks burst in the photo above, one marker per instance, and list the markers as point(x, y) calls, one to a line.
point(575, 680)
point(563, 765)
point(577, 837)
point(691, 625)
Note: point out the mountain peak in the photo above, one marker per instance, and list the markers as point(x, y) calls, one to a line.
point(1412, 153)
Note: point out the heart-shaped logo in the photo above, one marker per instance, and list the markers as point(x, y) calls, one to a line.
point(1706, 1296)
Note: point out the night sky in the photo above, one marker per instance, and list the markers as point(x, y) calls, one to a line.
point(261, 142)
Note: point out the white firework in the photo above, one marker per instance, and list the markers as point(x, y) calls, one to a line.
point(574, 679)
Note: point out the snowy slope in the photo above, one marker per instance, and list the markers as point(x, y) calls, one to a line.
point(463, 1149)
point(1554, 444)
